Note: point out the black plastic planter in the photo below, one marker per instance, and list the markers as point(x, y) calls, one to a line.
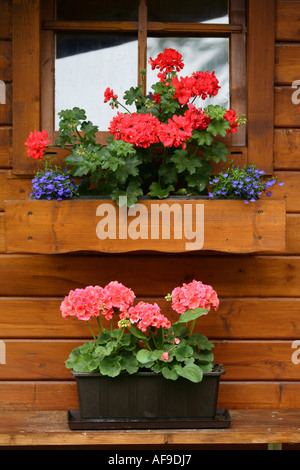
point(147, 400)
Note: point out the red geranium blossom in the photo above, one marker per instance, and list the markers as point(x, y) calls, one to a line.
point(202, 84)
point(108, 94)
point(197, 118)
point(176, 131)
point(166, 62)
point(140, 130)
point(36, 144)
point(232, 118)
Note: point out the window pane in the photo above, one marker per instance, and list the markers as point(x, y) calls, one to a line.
point(198, 54)
point(85, 65)
point(191, 11)
point(114, 10)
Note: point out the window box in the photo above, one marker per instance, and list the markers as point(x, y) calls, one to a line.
point(230, 226)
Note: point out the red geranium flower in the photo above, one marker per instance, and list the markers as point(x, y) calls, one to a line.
point(108, 94)
point(232, 118)
point(36, 143)
point(167, 61)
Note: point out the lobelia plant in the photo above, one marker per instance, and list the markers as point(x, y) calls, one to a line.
point(53, 182)
point(246, 183)
point(166, 146)
point(144, 338)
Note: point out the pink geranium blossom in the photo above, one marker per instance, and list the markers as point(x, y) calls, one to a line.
point(194, 295)
point(147, 315)
point(116, 295)
point(83, 303)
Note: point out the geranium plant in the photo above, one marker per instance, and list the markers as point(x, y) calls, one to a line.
point(165, 146)
point(133, 337)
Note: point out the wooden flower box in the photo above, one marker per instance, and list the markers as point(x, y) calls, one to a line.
point(172, 225)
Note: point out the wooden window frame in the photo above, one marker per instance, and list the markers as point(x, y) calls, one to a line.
point(251, 92)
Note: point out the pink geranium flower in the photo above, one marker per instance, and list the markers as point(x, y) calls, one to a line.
point(116, 295)
point(83, 303)
point(146, 315)
point(194, 295)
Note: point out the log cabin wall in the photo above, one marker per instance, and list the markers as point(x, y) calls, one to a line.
point(258, 319)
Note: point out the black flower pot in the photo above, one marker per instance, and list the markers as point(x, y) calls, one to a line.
point(149, 400)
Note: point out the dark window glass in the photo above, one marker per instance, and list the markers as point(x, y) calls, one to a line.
point(189, 11)
point(97, 10)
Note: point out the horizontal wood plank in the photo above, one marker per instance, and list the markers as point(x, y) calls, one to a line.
point(287, 149)
point(290, 191)
point(287, 67)
point(236, 318)
point(243, 360)
point(44, 428)
point(286, 112)
point(12, 187)
point(150, 275)
point(287, 20)
point(62, 395)
point(167, 226)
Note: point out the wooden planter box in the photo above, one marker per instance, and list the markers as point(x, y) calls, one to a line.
point(172, 225)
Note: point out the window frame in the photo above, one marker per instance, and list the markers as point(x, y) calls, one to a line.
point(33, 108)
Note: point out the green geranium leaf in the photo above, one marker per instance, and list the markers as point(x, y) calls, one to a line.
point(201, 341)
point(190, 315)
point(169, 373)
point(129, 363)
point(110, 366)
point(190, 372)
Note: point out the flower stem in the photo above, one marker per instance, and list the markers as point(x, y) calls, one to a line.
point(91, 331)
point(124, 107)
point(192, 327)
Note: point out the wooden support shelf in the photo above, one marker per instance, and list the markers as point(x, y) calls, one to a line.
point(50, 428)
point(171, 225)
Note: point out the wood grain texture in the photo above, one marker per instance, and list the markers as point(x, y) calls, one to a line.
point(7, 109)
point(287, 20)
point(243, 359)
point(150, 275)
point(36, 428)
point(6, 20)
point(287, 112)
point(260, 112)
point(72, 225)
point(38, 395)
point(26, 79)
point(287, 149)
point(236, 318)
point(6, 60)
point(10, 186)
point(287, 67)
point(5, 147)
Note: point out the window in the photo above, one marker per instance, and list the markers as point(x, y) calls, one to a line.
point(144, 24)
point(94, 45)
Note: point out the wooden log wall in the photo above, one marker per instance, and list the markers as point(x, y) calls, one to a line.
point(259, 316)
